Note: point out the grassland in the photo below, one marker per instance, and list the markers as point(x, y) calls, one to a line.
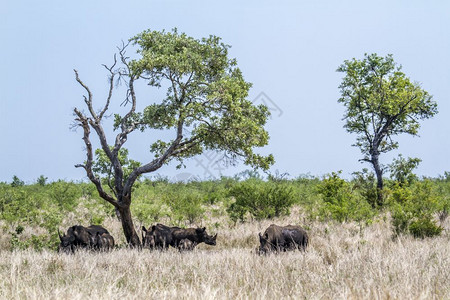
point(343, 261)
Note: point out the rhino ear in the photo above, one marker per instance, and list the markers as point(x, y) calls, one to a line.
point(144, 229)
point(200, 230)
point(153, 227)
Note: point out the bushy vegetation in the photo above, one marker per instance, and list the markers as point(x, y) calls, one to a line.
point(260, 200)
point(415, 206)
point(340, 201)
point(414, 209)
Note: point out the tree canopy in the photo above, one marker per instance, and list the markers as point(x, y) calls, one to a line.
point(206, 101)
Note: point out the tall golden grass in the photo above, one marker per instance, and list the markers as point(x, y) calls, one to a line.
point(343, 261)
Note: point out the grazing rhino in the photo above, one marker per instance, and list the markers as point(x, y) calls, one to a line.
point(102, 241)
point(161, 236)
point(282, 238)
point(195, 235)
point(79, 237)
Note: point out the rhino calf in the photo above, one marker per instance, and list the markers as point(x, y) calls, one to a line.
point(102, 241)
point(282, 238)
point(186, 245)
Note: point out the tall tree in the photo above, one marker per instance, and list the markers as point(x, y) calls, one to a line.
point(206, 107)
point(381, 102)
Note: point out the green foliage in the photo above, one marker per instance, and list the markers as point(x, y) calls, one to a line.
point(103, 168)
point(365, 183)
point(339, 201)
point(42, 180)
point(413, 209)
point(381, 102)
point(260, 199)
point(401, 170)
point(64, 194)
point(149, 212)
point(37, 242)
point(17, 182)
point(206, 94)
point(424, 227)
point(185, 206)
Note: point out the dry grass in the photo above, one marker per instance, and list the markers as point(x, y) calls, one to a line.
point(342, 262)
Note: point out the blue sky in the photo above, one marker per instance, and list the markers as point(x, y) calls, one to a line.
point(289, 51)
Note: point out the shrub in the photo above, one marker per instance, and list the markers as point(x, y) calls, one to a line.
point(413, 209)
point(148, 212)
point(260, 199)
point(339, 201)
point(185, 205)
point(64, 194)
point(42, 180)
point(364, 182)
point(424, 227)
point(17, 182)
point(401, 170)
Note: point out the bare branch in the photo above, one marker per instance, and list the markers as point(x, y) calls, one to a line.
point(89, 99)
point(84, 123)
point(111, 86)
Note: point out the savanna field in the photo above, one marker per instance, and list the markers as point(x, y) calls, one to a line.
point(356, 251)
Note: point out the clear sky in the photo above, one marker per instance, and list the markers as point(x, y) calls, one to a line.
point(289, 50)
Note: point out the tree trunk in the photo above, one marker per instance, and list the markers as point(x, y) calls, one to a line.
point(379, 174)
point(128, 227)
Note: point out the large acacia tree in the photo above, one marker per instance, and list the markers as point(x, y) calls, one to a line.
point(381, 102)
point(206, 107)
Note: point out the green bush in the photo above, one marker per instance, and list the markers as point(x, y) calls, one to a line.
point(340, 203)
point(413, 209)
point(260, 199)
point(185, 205)
point(16, 182)
point(365, 183)
point(64, 194)
point(148, 212)
point(424, 228)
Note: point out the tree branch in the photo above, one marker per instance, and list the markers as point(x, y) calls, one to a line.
point(88, 100)
point(84, 123)
point(111, 85)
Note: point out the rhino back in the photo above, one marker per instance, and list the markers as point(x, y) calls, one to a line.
point(93, 229)
point(295, 234)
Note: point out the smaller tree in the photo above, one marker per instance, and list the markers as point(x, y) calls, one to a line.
point(381, 102)
point(17, 182)
point(401, 169)
point(42, 180)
